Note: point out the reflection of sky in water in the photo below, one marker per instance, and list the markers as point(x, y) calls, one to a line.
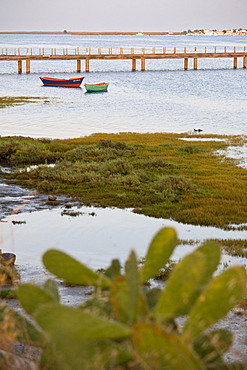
point(236, 152)
point(96, 240)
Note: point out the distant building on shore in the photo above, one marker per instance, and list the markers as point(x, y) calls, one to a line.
point(204, 32)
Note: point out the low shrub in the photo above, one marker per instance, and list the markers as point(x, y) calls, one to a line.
point(190, 149)
point(156, 176)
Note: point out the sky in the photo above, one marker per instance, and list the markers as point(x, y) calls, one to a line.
point(121, 15)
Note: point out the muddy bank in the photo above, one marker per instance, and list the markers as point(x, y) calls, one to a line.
point(15, 199)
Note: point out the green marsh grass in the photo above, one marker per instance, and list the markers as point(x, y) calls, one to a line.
point(10, 101)
point(233, 247)
point(158, 175)
point(236, 247)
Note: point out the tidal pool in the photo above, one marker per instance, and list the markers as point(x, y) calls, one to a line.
point(97, 235)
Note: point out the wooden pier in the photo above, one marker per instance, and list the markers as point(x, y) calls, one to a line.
point(133, 54)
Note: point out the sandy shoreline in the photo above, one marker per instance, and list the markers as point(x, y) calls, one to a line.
point(90, 33)
point(129, 33)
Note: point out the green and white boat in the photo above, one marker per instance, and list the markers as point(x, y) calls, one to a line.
point(100, 87)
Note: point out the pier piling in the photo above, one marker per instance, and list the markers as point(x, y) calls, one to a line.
point(186, 63)
point(133, 65)
point(235, 63)
point(87, 65)
point(244, 62)
point(195, 63)
point(19, 66)
point(143, 64)
point(28, 66)
point(78, 64)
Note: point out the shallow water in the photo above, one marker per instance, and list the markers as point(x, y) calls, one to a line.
point(97, 235)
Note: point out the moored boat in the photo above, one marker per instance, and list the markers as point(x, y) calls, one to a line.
point(100, 87)
point(62, 82)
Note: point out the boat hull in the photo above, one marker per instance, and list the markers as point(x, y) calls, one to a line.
point(59, 82)
point(101, 87)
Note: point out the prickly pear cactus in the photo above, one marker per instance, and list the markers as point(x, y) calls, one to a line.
point(126, 325)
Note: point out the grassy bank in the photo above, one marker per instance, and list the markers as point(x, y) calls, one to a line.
point(159, 175)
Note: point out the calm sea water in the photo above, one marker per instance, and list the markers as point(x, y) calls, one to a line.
point(164, 98)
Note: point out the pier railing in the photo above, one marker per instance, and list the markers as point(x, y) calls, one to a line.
point(121, 51)
point(133, 53)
